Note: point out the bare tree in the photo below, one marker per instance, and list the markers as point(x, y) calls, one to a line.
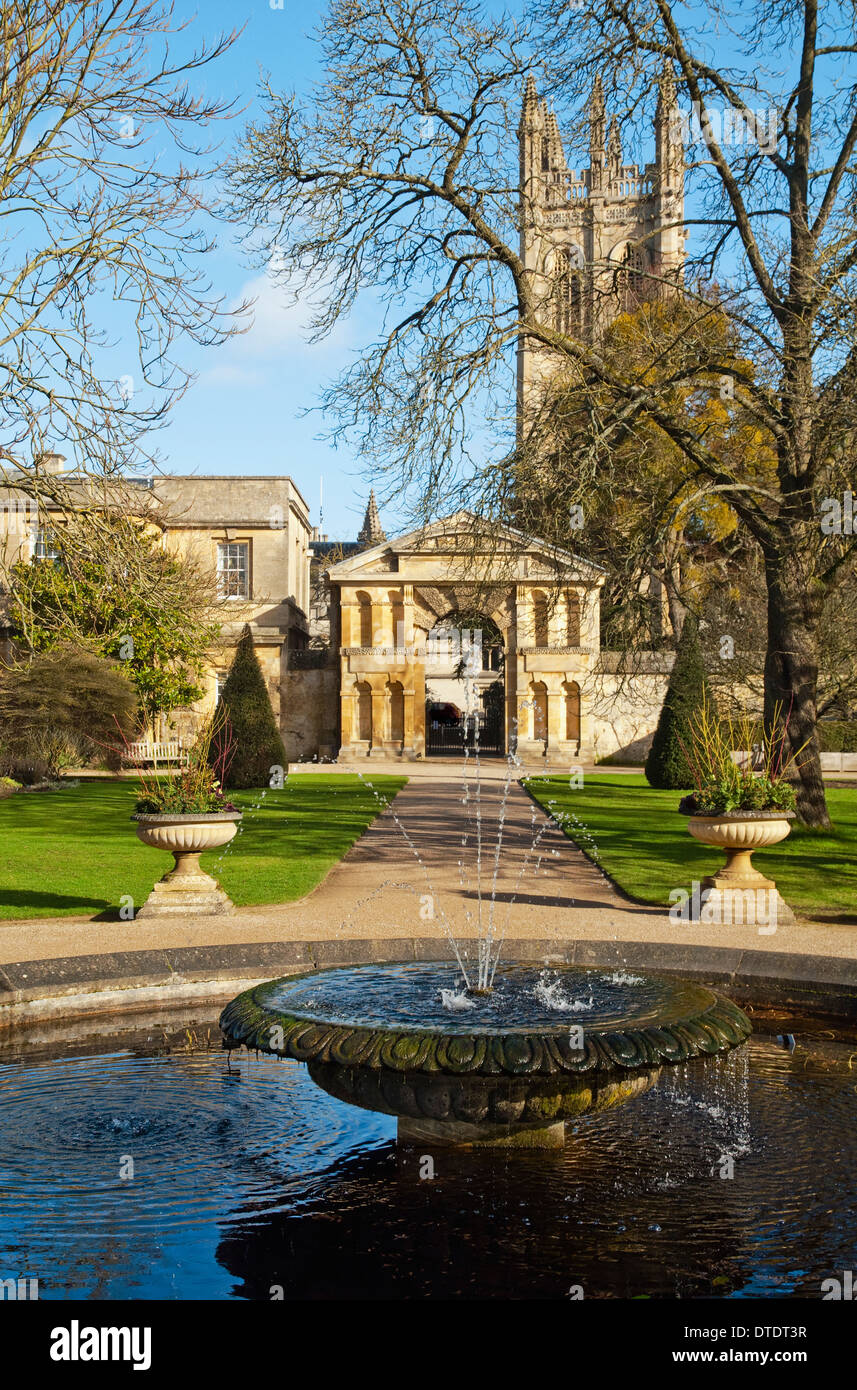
point(104, 194)
point(401, 178)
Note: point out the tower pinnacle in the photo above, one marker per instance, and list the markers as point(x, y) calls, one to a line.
point(371, 532)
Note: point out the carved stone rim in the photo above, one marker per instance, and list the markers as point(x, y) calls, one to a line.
point(714, 1029)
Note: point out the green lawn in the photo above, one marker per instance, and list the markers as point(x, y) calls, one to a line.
point(75, 850)
point(640, 840)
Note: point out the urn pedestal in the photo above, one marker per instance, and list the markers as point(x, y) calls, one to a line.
point(187, 889)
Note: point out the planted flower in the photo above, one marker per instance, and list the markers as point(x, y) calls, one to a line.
point(727, 787)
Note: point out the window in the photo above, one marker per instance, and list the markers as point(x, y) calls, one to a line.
point(365, 611)
point(567, 292)
point(233, 569)
point(44, 546)
point(572, 628)
point(631, 280)
point(219, 682)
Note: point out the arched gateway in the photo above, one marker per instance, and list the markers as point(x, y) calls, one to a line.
point(393, 604)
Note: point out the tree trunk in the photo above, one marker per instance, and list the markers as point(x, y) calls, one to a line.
point(791, 682)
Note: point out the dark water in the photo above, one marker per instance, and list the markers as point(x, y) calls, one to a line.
point(431, 995)
point(252, 1178)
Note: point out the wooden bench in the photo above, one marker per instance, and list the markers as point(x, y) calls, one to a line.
point(145, 752)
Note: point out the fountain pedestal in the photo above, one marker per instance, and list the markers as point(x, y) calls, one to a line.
point(443, 1132)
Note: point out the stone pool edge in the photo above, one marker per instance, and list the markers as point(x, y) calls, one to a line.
point(132, 981)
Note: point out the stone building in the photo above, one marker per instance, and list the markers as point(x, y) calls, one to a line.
point(393, 597)
point(355, 639)
point(251, 533)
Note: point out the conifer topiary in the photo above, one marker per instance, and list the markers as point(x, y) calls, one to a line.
point(666, 766)
point(244, 697)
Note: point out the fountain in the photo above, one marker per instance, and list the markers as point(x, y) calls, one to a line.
point(505, 1067)
point(489, 1054)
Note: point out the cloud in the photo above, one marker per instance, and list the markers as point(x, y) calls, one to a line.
point(231, 374)
point(280, 326)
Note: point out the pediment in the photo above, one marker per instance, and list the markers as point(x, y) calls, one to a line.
point(464, 545)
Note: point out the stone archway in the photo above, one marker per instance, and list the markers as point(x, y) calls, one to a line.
point(465, 666)
point(387, 601)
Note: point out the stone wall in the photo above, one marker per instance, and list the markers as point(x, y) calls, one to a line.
point(624, 709)
point(309, 706)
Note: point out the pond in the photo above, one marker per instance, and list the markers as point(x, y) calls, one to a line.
point(148, 1165)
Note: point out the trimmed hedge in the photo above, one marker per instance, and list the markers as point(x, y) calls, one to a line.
point(837, 735)
point(666, 766)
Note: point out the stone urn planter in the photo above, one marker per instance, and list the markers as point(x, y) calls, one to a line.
point(186, 888)
point(738, 893)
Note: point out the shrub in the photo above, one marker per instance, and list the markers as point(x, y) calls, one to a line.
point(60, 708)
point(667, 765)
point(722, 785)
point(837, 735)
point(245, 703)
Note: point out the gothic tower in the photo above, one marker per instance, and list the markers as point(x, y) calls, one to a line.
point(598, 242)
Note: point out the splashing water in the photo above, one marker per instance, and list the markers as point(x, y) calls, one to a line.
point(456, 1000)
point(549, 991)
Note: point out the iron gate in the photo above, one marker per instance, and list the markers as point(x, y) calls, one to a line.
point(482, 731)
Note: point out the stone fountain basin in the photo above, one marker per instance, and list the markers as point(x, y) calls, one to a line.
point(493, 1104)
point(544, 1046)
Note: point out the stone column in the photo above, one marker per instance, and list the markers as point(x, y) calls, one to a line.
point(418, 676)
point(556, 720)
point(347, 713)
point(408, 616)
point(379, 710)
point(590, 619)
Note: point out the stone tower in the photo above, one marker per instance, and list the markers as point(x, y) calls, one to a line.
point(371, 532)
point(597, 242)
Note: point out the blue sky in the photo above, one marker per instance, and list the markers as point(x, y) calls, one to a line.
point(244, 412)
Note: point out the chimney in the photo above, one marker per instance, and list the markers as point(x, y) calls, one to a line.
point(50, 463)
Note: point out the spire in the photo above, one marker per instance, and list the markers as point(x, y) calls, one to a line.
point(614, 150)
point(666, 92)
point(557, 153)
point(529, 106)
point(596, 134)
point(371, 533)
point(669, 134)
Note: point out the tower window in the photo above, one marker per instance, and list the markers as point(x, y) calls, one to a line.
point(568, 299)
point(631, 280)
